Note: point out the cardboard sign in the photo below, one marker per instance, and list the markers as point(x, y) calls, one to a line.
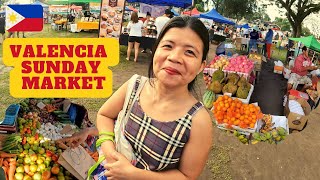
point(77, 161)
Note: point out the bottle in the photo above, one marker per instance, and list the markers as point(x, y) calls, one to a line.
point(113, 3)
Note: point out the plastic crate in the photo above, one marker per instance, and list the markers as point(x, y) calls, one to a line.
point(11, 115)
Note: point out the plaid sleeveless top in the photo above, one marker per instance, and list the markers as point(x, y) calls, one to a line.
point(158, 145)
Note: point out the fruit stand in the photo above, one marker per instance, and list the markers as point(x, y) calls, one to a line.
point(228, 95)
point(33, 150)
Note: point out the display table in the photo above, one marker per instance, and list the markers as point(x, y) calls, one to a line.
point(219, 38)
point(59, 22)
point(87, 25)
point(146, 42)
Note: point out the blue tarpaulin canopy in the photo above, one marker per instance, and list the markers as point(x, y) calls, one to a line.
point(127, 9)
point(215, 16)
point(245, 26)
point(175, 13)
point(176, 3)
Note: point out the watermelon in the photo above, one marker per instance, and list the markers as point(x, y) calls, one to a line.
point(208, 98)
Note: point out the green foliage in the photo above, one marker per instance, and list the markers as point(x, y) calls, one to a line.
point(200, 7)
point(297, 11)
point(305, 31)
point(238, 9)
point(283, 23)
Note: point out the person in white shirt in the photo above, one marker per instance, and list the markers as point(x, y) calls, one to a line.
point(135, 35)
point(162, 20)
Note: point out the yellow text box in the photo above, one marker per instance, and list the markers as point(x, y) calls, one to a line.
point(61, 67)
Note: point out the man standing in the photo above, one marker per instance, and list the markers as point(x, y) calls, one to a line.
point(302, 65)
point(162, 20)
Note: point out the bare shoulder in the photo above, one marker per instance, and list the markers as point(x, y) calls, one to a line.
point(202, 118)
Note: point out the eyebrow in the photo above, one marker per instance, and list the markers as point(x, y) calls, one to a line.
point(184, 46)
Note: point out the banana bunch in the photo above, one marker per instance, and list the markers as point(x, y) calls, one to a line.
point(267, 123)
point(241, 137)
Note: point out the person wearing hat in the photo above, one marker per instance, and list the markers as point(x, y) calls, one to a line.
point(254, 36)
point(162, 20)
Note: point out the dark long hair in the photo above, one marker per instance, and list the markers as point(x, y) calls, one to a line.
point(181, 22)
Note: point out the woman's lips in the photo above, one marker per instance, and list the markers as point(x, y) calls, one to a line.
point(171, 71)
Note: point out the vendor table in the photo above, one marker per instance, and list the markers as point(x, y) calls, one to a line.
point(146, 42)
point(60, 22)
point(219, 38)
point(87, 25)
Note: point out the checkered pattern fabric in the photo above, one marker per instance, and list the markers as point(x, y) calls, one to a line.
point(158, 145)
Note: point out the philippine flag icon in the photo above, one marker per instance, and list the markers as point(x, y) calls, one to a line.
point(24, 18)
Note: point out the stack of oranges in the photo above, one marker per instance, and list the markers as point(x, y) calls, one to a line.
point(233, 112)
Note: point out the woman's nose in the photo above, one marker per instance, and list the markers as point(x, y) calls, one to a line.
point(176, 55)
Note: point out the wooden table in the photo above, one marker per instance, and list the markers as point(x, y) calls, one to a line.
point(87, 25)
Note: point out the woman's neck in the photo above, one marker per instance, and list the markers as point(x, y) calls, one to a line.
point(165, 94)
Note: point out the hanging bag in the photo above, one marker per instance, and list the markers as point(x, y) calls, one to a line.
point(121, 143)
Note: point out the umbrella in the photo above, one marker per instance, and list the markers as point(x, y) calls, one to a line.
point(309, 41)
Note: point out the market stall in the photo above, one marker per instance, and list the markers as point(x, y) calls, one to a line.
point(31, 145)
point(146, 42)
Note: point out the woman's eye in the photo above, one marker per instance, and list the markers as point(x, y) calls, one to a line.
point(191, 52)
point(167, 46)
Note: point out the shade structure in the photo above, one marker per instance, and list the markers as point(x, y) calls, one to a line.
point(309, 41)
point(216, 17)
point(175, 13)
point(131, 8)
point(245, 26)
point(42, 4)
point(64, 2)
point(127, 9)
point(193, 12)
point(176, 3)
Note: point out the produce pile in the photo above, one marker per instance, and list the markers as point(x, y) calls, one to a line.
point(33, 152)
point(267, 133)
point(220, 84)
point(240, 64)
point(219, 62)
point(233, 113)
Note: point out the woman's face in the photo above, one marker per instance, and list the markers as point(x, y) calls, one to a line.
point(178, 58)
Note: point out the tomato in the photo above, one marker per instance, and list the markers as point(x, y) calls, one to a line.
point(49, 153)
point(46, 175)
point(55, 170)
point(55, 157)
point(37, 136)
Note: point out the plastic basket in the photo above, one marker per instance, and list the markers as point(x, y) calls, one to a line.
point(11, 115)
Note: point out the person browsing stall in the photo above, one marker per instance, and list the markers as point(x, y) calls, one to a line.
point(145, 26)
point(268, 42)
point(302, 65)
point(254, 36)
point(135, 35)
point(167, 124)
point(162, 20)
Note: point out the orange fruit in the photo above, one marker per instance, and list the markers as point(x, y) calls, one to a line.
point(236, 122)
point(251, 125)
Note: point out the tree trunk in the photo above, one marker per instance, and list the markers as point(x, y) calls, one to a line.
point(297, 29)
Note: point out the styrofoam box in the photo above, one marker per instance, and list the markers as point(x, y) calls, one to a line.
point(245, 101)
point(279, 121)
point(240, 130)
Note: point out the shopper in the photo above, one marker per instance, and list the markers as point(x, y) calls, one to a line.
point(2, 29)
point(162, 20)
point(254, 36)
point(268, 42)
point(167, 124)
point(302, 65)
point(134, 27)
point(221, 50)
point(145, 26)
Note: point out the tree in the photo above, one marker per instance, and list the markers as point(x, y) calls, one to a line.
point(297, 11)
point(305, 31)
point(259, 14)
point(283, 23)
point(239, 9)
